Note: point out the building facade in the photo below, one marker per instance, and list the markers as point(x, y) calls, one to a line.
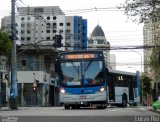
point(98, 41)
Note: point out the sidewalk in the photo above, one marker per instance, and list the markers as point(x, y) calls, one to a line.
point(156, 111)
point(150, 108)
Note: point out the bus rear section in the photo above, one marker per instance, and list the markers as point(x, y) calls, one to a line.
point(123, 88)
point(82, 79)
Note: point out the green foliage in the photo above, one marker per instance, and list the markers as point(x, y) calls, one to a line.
point(5, 43)
point(141, 10)
point(156, 105)
point(155, 62)
point(147, 86)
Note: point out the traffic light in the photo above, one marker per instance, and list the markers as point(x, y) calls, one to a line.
point(58, 39)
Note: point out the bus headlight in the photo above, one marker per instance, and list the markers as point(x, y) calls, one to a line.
point(102, 89)
point(62, 90)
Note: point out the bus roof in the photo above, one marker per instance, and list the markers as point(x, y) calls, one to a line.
point(121, 72)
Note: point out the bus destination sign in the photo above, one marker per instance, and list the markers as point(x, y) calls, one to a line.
point(79, 56)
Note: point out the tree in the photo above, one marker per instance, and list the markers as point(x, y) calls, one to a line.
point(141, 10)
point(144, 11)
point(5, 44)
point(155, 61)
point(147, 86)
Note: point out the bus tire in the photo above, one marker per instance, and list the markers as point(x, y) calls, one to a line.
point(66, 106)
point(124, 101)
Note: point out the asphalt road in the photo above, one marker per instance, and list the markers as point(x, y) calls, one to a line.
point(59, 114)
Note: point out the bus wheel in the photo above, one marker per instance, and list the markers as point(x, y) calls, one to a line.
point(66, 106)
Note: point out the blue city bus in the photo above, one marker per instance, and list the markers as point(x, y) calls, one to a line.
point(82, 79)
point(86, 81)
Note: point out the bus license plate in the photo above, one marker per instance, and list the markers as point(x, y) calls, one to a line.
point(83, 97)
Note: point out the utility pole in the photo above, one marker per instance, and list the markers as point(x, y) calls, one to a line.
point(13, 101)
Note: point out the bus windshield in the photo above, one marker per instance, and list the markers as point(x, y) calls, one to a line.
point(84, 73)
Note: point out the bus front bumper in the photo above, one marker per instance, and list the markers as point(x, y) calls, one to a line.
point(83, 98)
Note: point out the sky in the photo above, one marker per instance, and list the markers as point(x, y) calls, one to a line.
point(119, 31)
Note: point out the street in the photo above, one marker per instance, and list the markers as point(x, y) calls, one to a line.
point(59, 114)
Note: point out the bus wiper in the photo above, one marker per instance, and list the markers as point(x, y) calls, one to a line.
point(88, 65)
point(74, 67)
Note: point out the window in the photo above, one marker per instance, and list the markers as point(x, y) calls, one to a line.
point(28, 38)
point(61, 24)
point(28, 31)
point(28, 18)
point(22, 38)
point(47, 38)
point(48, 18)
point(28, 24)
point(47, 31)
point(54, 18)
point(22, 31)
point(54, 31)
point(54, 25)
point(60, 31)
point(68, 24)
point(67, 31)
point(48, 25)
point(22, 25)
point(22, 18)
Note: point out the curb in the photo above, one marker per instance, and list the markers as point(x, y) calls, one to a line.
point(155, 111)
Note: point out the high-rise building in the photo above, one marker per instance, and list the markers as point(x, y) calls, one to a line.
point(40, 25)
point(76, 35)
